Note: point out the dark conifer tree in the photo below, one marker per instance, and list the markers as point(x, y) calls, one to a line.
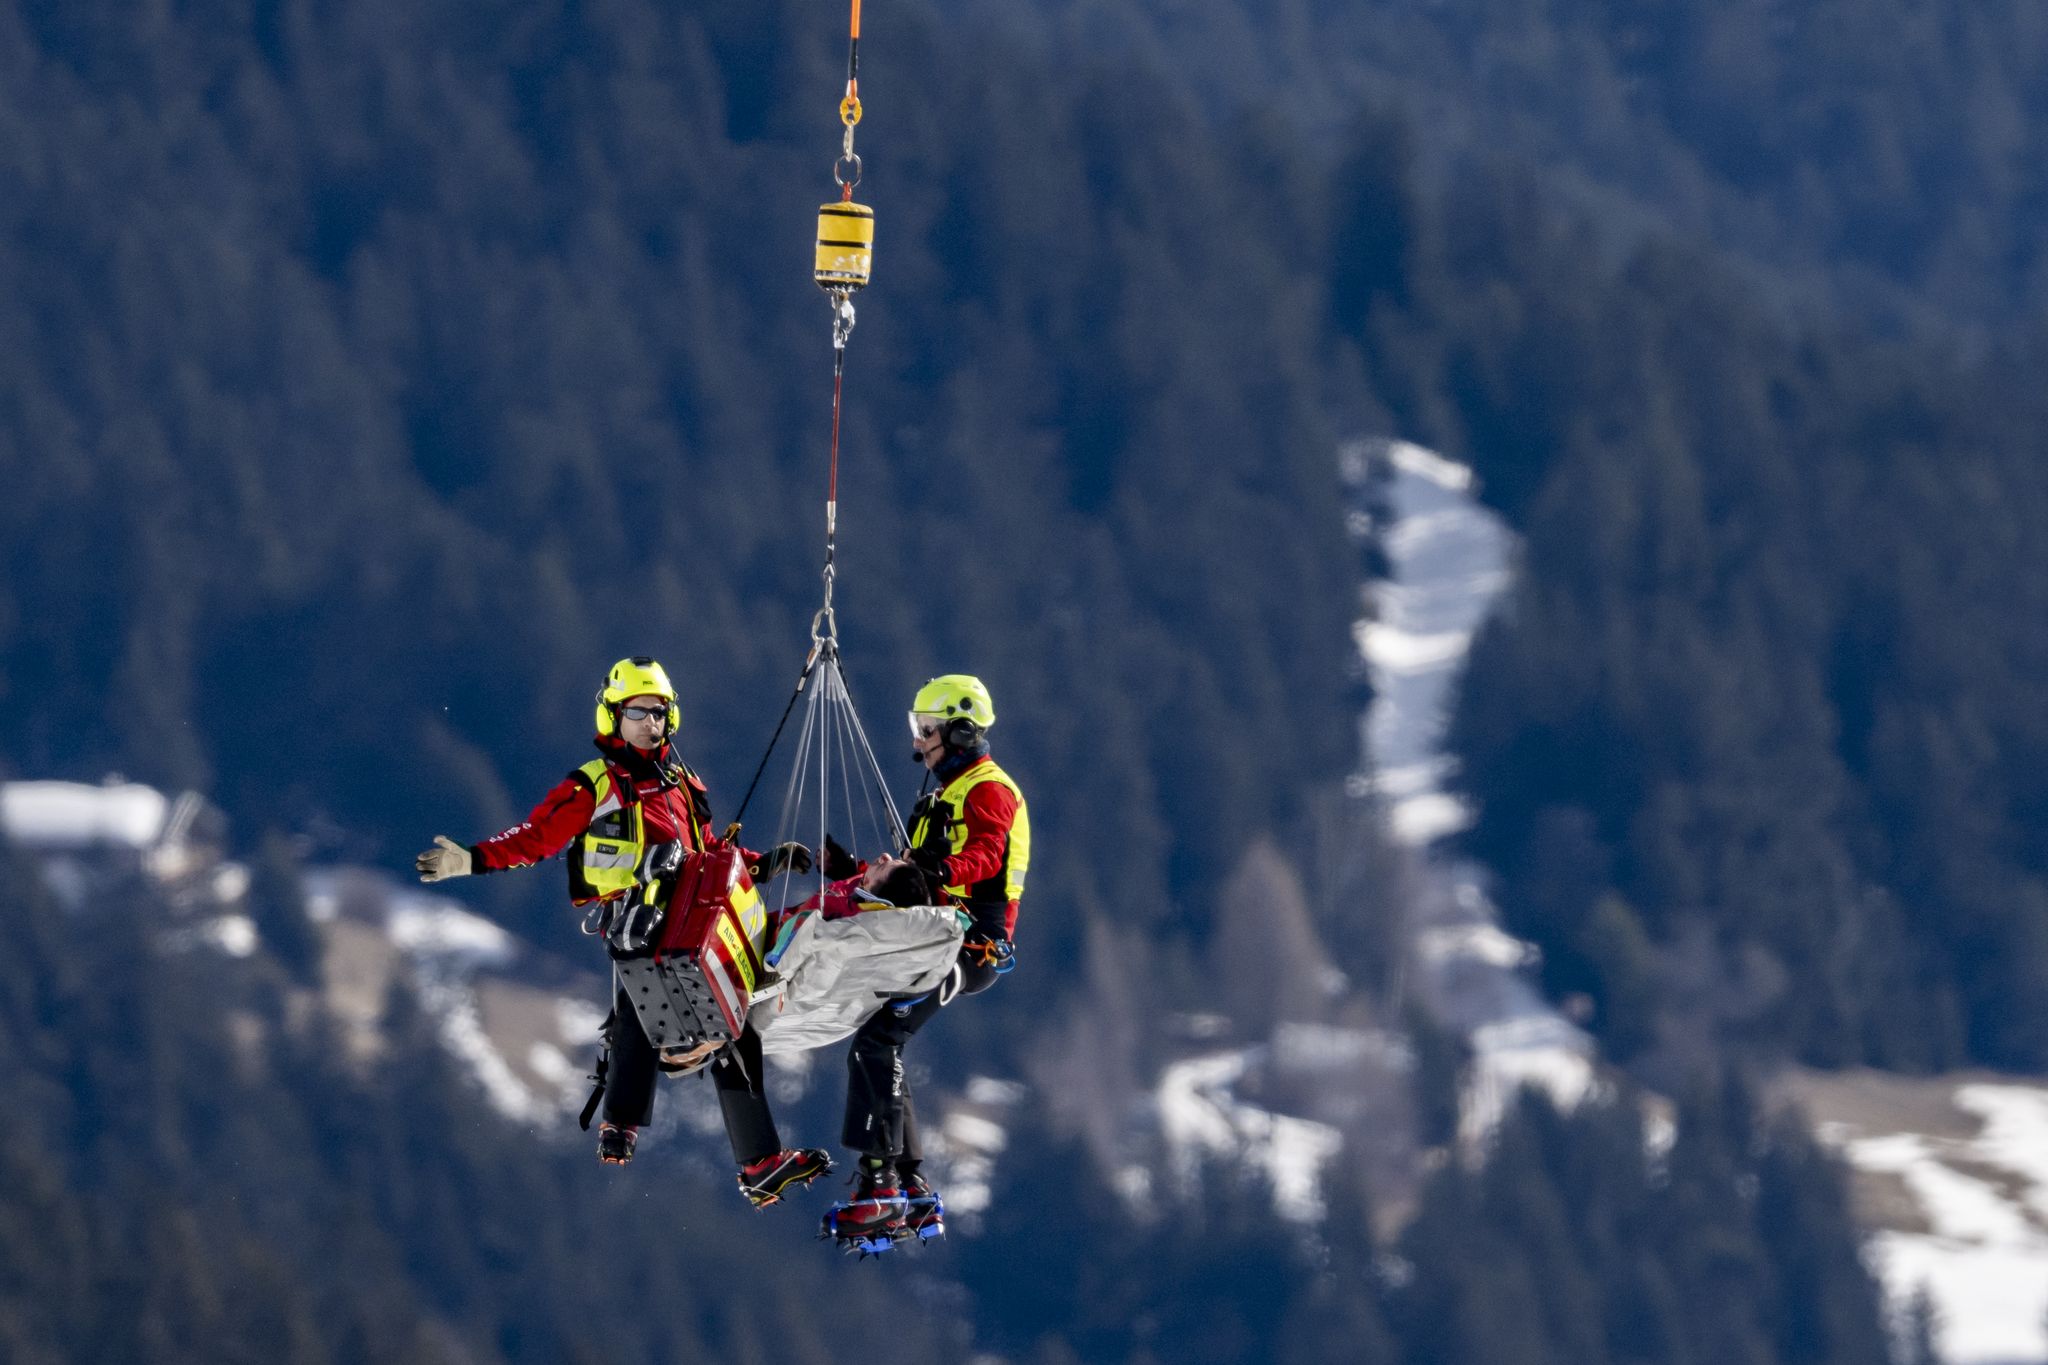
point(277, 902)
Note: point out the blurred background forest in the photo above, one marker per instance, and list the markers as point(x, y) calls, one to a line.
point(373, 374)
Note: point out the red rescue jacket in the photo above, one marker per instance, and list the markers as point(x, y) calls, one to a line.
point(673, 804)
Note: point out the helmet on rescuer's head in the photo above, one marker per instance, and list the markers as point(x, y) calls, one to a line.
point(638, 676)
point(949, 701)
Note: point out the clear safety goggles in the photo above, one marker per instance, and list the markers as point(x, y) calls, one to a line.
point(923, 724)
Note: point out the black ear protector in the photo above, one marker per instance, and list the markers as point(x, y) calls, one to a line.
point(960, 734)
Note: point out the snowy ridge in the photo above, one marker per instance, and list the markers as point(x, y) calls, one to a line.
point(1447, 559)
point(1199, 1114)
point(72, 815)
point(517, 1040)
point(970, 1139)
point(1447, 563)
point(1952, 1177)
point(1952, 1173)
point(82, 830)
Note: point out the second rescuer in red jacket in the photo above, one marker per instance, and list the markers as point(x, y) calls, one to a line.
point(972, 837)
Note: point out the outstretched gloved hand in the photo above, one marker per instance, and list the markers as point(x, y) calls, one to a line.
point(450, 859)
point(790, 857)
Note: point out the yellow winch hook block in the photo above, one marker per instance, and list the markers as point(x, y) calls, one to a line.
point(846, 230)
point(846, 245)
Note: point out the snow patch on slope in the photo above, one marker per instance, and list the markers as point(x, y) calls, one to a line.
point(448, 945)
point(433, 927)
point(1448, 560)
point(1975, 1234)
point(456, 959)
point(1199, 1114)
point(72, 815)
point(971, 1136)
point(83, 833)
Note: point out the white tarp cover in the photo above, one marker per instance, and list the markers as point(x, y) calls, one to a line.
point(836, 973)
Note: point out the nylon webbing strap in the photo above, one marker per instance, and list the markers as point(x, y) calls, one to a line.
point(597, 1093)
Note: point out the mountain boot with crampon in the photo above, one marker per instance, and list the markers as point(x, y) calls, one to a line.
point(924, 1213)
point(873, 1219)
point(765, 1181)
point(615, 1143)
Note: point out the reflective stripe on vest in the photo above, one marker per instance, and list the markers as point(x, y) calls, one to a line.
point(605, 859)
point(1007, 883)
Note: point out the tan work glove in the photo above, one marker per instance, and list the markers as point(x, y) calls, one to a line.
point(439, 864)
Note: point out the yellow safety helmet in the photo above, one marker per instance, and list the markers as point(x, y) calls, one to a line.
point(955, 696)
point(638, 676)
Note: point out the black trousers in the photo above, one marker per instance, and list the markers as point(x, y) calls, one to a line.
point(738, 1074)
point(881, 1121)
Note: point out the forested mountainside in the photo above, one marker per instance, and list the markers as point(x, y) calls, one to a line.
point(1759, 737)
point(1758, 740)
point(376, 375)
point(1880, 159)
point(199, 1167)
point(372, 375)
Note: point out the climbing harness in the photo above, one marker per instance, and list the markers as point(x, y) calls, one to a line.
point(985, 951)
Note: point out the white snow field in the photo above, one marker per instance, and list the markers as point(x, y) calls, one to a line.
point(72, 815)
point(526, 1046)
point(1200, 1114)
point(1448, 559)
point(1953, 1175)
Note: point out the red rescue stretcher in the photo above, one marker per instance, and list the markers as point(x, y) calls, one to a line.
point(696, 982)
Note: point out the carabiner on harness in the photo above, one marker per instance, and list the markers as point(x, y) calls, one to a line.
point(989, 951)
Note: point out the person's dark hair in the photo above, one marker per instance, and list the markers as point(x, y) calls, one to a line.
point(905, 884)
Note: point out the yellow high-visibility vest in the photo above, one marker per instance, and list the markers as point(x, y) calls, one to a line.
point(605, 859)
point(946, 811)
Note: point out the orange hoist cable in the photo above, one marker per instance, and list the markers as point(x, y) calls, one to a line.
point(845, 258)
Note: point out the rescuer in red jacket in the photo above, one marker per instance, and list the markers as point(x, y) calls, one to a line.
point(971, 837)
point(636, 796)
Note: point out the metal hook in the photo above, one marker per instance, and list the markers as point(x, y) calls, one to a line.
point(825, 625)
point(842, 317)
